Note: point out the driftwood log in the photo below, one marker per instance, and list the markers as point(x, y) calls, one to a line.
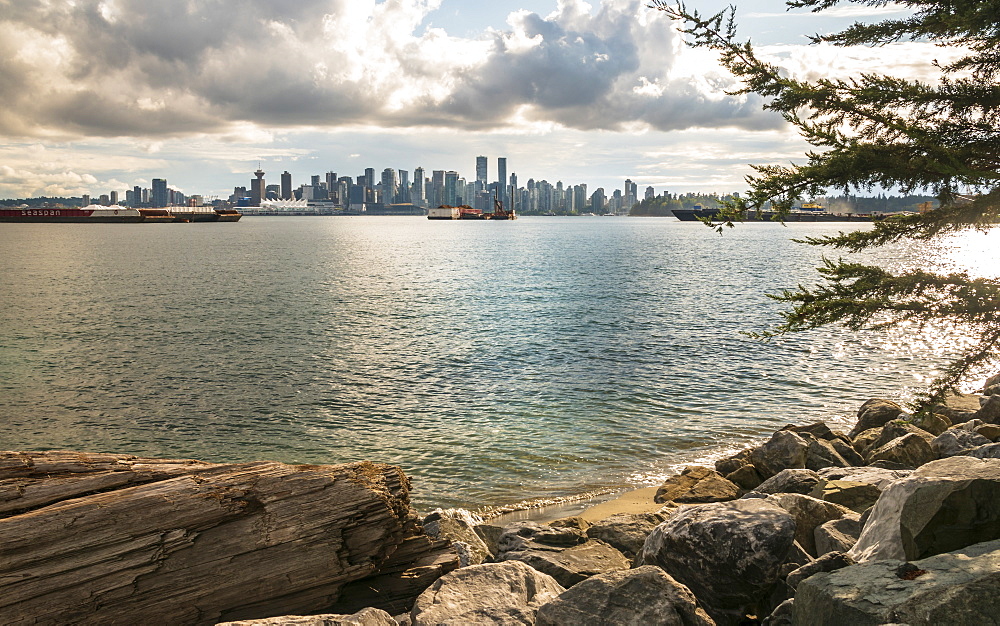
point(116, 539)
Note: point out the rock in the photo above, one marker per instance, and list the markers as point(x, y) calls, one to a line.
point(856, 496)
point(101, 538)
point(790, 481)
point(819, 430)
point(808, 513)
point(970, 425)
point(822, 453)
point(728, 554)
point(490, 534)
point(934, 423)
point(990, 431)
point(492, 593)
point(785, 450)
point(745, 477)
point(881, 478)
point(956, 441)
point(365, 617)
point(829, 562)
point(896, 429)
point(458, 527)
point(910, 450)
point(848, 452)
point(990, 411)
point(988, 451)
point(524, 535)
point(645, 596)
point(991, 390)
point(954, 588)
point(626, 532)
point(943, 506)
point(574, 564)
point(782, 615)
point(863, 441)
point(576, 522)
point(696, 484)
point(875, 413)
point(732, 463)
point(837, 535)
point(992, 380)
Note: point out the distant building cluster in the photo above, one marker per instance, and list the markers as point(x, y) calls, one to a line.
point(394, 191)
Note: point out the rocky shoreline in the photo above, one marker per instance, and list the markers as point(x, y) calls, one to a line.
point(896, 521)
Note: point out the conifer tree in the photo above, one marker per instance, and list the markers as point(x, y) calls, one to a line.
point(881, 131)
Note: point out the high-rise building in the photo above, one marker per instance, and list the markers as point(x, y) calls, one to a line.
point(597, 200)
point(404, 186)
point(481, 176)
point(159, 194)
point(650, 193)
point(136, 195)
point(331, 184)
point(286, 185)
point(85, 200)
point(630, 196)
point(389, 186)
point(114, 197)
point(436, 196)
point(419, 195)
point(451, 188)
point(257, 188)
point(502, 178)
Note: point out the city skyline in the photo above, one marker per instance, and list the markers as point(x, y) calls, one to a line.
point(108, 95)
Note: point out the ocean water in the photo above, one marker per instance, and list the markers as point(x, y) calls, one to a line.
point(495, 362)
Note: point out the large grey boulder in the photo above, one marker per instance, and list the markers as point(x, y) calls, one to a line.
point(696, 484)
point(646, 596)
point(910, 450)
point(790, 481)
point(364, 617)
point(933, 423)
point(565, 553)
point(896, 429)
point(525, 535)
point(823, 453)
point(458, 527)
point(837, 535)
point(990, 411)
point(855, 495)
point(729, 554)
point(746, 477)
point(943, 506)
point(809, 513)
point(102, 538)
point(875, 413)
point(957, 588)
point(492, 593)
point(730, 464)
point(876, 476)
point(626, 532)
point(572, 565)
point(956, 441)
point(988, 451)
point(784, 450)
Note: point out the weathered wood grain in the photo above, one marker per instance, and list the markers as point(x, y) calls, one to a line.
point(115, 539)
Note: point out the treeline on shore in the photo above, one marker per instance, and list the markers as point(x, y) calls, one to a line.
point(662, 205)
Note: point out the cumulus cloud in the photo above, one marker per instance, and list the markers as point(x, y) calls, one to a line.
point(172, 68)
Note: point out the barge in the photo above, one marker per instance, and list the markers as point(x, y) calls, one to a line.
point(97, 214)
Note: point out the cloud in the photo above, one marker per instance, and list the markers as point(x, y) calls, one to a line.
point(173, 68)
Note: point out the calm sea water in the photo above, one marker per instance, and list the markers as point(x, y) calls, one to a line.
point(494, 361)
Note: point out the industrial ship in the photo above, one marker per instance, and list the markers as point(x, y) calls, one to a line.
point(97, 214)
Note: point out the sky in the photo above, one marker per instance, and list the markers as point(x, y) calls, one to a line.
point(102, 95)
